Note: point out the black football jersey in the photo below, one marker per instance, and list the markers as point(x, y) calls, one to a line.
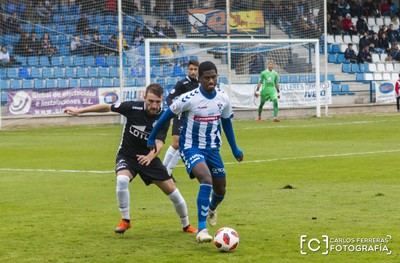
point(137, 128)
point(182, 86)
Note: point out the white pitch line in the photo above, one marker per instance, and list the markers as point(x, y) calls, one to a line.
point(227, 163)
point(311, 125)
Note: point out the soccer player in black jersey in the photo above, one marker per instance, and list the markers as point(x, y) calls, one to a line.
point(190, 82)
point(134, 157)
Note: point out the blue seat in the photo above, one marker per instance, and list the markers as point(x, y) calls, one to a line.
point(89, 61)
point(39, 84)
point(85, 83)
point(15, 84)
point(293, 78)
point(140, 82)
point(47, 73)
point(112, 61)
point(116, 82)
point(331, 77)
point(335, 48)
point(27, 84)
point(130, 82)
point(92, 73)
point(127, 62)
point(51, 83)
point(363, 67)
point(340, 59)
point(68, 61)
point(284, 79)
point(254, 79)
point(332, 58)
point(21, 59)
point(346, 68)
point(63, 50)
point(96, 83)
point(3, 73)
point(223, 79)
point(74, 83)
point(33, 61)
point(107, 82)
point(101, 61)
point(23, 73)
point(63, 83)
point(5, 84)
point(303, 78)
point(335, 89)
point(78, 61)
point(167, 70)
point(70, 72)
point(12, 73)
point(360, 77)
point(127, 72)
point(81, 72)
point(155, 71)
point(44, 61)
point(170, 81)
point(114, 72)
point(36, 73)
point(103, 72)
point(355, 68)
point(59, 73)
point(345, 90)
point(56, 61)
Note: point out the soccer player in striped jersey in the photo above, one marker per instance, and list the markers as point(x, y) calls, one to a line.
point(204, 108)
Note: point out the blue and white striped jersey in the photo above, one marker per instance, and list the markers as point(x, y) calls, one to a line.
point(201, 117)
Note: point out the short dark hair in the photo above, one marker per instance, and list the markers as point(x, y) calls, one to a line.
point(193, 62)
point(155, 88)
point(205, 66)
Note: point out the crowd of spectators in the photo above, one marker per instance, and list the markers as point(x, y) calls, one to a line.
point(340, 14)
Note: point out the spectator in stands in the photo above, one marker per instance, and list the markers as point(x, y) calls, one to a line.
point(166, 54)
point(2, 24)
point(364, 41)
point(82, 25)
point(370, 8)
point(76, 45)
point(362, 25)
point(12, 24)
point(364, 56)
point(22, 47)
point(158, 30)
point(256, 64)
point(350, 54)
point(146, 6)
point(343, 8)
point(168, 30)
point(348, 26)
point(373, 44)
point(393, 35)
point(383, 43)
point(129, 7)
point(43, 10)
point(356, 8)
point(397, 91)
point(384, 8)
point(394, 51)
point(4, 57)
point(138, 37)
point(35, 44)
point(110, 7)
point(393, 8)
point(395, 21)
point(96, 48)
point(339, 24)
point(47, 48)
point(148, 30)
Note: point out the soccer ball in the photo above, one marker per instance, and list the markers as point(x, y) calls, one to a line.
point(226, 239)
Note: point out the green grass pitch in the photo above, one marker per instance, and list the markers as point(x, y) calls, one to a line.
point(57, 194)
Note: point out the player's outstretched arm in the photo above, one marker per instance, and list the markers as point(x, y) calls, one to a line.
point(146, 159)
point(230, 136)
point(165, 117)
point(93, 108)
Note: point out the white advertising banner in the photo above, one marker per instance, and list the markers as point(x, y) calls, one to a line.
point(384, 91)
point(292, 95)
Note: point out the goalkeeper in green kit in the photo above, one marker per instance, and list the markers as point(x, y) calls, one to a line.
point(269, 79)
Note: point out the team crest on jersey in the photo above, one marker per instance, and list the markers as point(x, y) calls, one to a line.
point(220, 106)
point(172, 91)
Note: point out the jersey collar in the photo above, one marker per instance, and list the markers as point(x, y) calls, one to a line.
point(208, 95)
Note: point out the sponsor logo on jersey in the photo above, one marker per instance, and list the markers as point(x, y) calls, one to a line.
point(137, 108)
point(206, 118)
point(116, 105)
point(139, 132)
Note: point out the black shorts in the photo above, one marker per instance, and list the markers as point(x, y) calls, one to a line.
point(176, 126)
point(156, 171)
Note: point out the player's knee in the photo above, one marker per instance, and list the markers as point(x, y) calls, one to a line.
point(122, 182)
point(219, 189)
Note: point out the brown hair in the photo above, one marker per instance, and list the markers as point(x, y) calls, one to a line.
point(155, 88)
point(193, 62)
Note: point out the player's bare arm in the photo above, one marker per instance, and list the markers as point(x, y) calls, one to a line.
point(146, 159)
point(93, 108)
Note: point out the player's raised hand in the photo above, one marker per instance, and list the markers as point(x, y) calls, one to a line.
point(72, 111)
